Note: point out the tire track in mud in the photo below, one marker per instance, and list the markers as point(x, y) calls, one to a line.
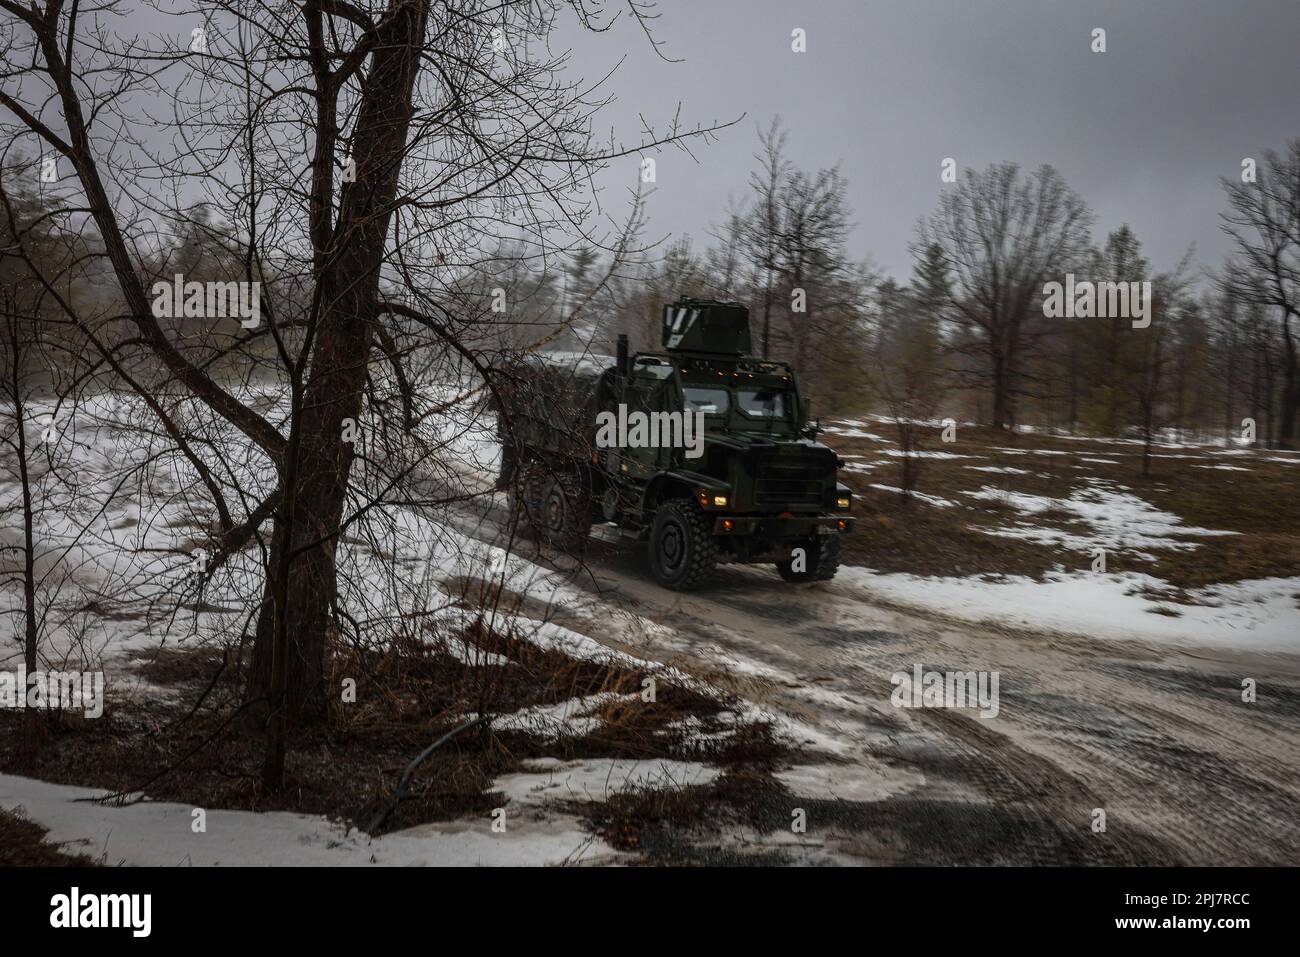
point(1009, 774)
point(1169, 800)
point(1196, 788)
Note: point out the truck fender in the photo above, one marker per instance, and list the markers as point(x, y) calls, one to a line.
point(688, 482)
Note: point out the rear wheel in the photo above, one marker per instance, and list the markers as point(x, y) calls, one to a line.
point(819, 563)
point(526, 494)
point(565, 511)
point(683, 551)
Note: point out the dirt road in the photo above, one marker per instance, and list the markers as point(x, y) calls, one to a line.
point(1156, 737)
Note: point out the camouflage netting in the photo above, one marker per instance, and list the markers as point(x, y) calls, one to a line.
point(550, 401)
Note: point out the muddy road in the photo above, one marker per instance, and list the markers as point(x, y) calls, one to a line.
point(1156, 737)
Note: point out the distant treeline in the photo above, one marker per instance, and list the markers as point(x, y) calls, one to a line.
point(964, 336)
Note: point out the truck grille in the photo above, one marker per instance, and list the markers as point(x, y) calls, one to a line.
point(790, 482)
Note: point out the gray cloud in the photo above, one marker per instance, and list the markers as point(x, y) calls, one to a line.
point(1143, 132)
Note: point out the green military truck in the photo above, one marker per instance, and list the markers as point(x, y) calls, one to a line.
point(702, 450)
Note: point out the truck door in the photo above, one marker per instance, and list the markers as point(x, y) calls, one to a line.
point(648, 393)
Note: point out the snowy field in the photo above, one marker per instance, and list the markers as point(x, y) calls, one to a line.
point(1099, 509)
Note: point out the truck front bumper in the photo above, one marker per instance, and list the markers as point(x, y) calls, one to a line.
point(781, 528)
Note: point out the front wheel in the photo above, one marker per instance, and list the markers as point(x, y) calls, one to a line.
point(818, 563)
point(683, 551)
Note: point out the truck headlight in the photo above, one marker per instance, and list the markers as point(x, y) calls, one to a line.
point(844, 503)
point(710, 499)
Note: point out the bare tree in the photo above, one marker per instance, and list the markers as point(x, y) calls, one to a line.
point(906, 372)
point(1003, 236)
point(795, 235)
point(763, 224)
point(1264, 221)
point(21, 345)
point(35, 367)
point(1146, 369)
point(363, 156)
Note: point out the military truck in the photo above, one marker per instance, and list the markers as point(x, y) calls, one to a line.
point(591, 439)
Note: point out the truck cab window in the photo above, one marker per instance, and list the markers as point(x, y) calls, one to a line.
point(708, 401)
point(761, 403)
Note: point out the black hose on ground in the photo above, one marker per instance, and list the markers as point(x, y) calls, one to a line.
point(399, 793)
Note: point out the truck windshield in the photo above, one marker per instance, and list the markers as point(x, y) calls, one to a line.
point(708, 401)
point(761, 403)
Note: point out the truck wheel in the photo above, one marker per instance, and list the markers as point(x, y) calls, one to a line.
point(526, 499)
point(565, 511)
point(821, 561)
point(683, 550)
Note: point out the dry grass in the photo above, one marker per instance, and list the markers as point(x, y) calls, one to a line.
point(659, 822)
point(23, 844)
point(408, 694)
point(900, 535)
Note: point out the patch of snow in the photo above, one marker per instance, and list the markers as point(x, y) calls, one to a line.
point(158, 834)
point(1000, 469)
point(546, 779)
point(799, 734)
point(847, 782)
point(929, 499)
point(1260, 614)
point(855, 434)
point(925, 454)
point(1118, 518)
point(550, 636)
point(567, 718)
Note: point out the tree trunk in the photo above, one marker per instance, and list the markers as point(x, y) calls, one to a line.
point(1072, 409)
point(1289, 413)
point(1001, 393)
point(29, 747)
point(287, 679)
point(767, 316)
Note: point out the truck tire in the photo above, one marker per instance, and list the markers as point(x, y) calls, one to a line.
point(565, 513)
point(526, 499)
point(683, 551)
point(821, 564)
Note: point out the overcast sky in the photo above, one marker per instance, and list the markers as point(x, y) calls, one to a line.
point(1186, 89)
